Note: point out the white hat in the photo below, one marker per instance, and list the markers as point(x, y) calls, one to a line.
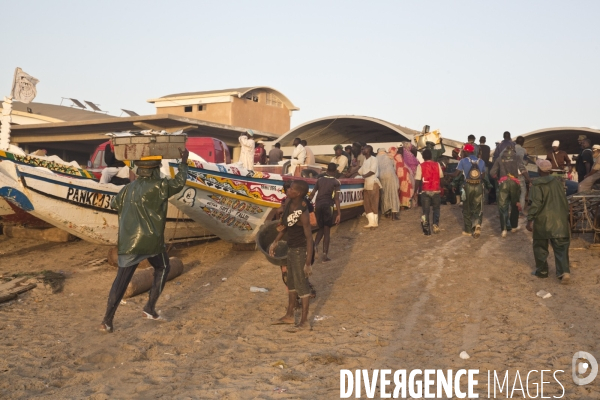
point(596, 147)
point(249, 132)
point(556, 143)
point(259, 142)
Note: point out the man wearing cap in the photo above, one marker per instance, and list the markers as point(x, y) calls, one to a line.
point(247, 150)
point(548, 219)
point(585, 160)
point(298, 155)
point(559, 158)
point(473, 169)
point(260, 154)
point(506, 170)
point(275, 154)
point(339, 159)
point(142, 208)
point(594, 174)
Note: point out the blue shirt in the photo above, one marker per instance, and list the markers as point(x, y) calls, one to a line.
point(464, 165)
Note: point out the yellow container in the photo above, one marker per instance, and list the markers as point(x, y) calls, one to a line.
point(135, 147)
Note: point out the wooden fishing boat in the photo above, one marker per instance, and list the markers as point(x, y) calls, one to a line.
point(233, 203)
point(70, 199)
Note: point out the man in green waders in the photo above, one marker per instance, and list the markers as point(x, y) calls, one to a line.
point(548, 219)
point(142, 207)
point(506, 170)
point(473, 169)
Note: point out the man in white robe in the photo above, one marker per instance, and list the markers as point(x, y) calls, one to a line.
point(247, 150)
point(298, 156)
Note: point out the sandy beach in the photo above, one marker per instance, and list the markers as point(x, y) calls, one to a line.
point(391, 298)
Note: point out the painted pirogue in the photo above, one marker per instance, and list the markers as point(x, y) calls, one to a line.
point(71, 199)
point(233, 203)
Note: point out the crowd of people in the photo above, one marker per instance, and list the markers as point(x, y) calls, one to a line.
point(394, 179)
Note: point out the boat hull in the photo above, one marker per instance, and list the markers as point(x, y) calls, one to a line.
point(234, 203)
point(79, 206)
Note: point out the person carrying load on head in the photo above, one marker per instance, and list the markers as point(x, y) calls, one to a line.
point(142, 208)
point(435, 153)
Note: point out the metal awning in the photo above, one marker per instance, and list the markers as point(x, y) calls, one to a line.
point(347, 129)
point(540, 142)
point(95, 130)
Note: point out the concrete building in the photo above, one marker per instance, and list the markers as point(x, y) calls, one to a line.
point(259, 108)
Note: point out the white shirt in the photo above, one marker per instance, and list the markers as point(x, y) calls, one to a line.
point(341, 161)
point(299, 153)
point(370, 165)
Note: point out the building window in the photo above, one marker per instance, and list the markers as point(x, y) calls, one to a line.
point(201, 107)
point(273, 100)
point(187, 109)
point(252, 96)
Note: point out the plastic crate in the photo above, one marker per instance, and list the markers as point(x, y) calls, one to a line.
point(137, 146)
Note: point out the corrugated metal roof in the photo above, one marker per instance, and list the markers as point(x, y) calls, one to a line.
point(59, 112)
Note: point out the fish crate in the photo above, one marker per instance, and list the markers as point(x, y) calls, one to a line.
point(137, 146)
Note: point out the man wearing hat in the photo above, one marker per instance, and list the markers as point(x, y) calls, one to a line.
point(585, 160)
point(559, 158)
point(594, 174)
point(548, 219)
point(142, 208)
point(247, 151)
point(340, 158)
point(506, 170)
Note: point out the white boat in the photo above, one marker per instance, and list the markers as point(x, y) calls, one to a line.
point(233, 203)
point(70, 200)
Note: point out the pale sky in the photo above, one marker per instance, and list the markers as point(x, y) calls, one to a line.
point(464, 67)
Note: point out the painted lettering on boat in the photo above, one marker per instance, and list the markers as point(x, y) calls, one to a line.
point(351, 196)
point(86, 197)
point(227, 219)
point(235, 204)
